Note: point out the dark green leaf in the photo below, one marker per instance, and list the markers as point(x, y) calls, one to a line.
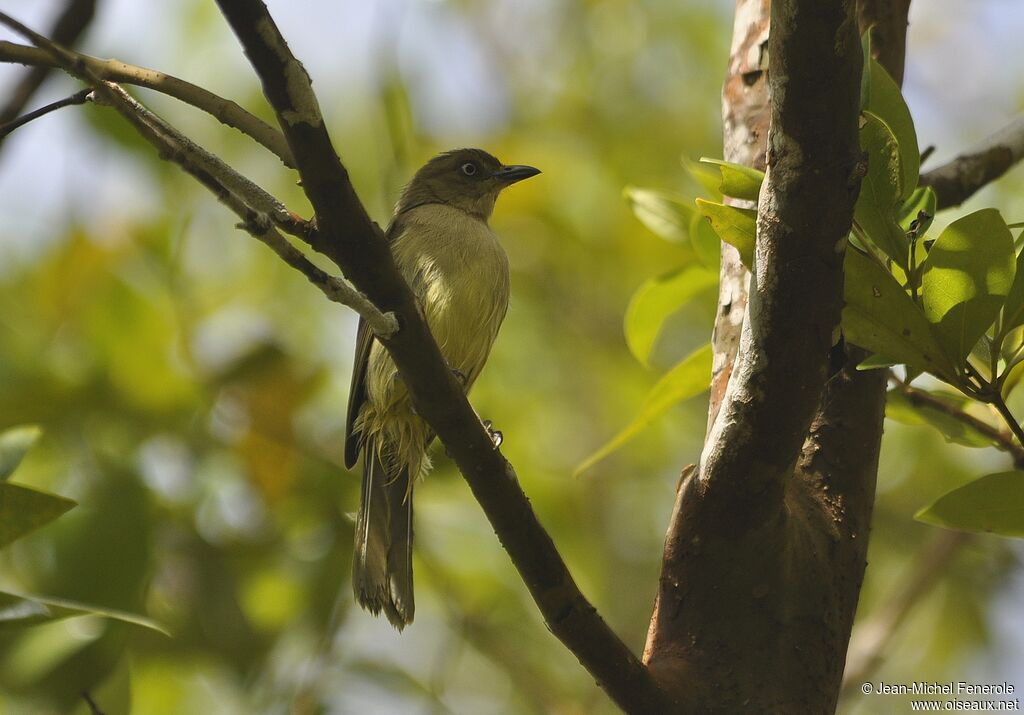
point(14, 443)
point(735, 226)
point(738, 181)
point(656, 300)
point(879, 316)
point(992, 504)
point(687, 379)
point(17, 610)
point(965, 279)
point(880, 190)
point(23, 509)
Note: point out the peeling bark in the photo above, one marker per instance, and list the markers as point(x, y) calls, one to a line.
point(745, 116)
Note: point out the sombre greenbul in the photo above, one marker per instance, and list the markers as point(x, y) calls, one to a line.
point(458, 271)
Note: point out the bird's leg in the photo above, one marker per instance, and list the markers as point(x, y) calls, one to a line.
point(496, 437)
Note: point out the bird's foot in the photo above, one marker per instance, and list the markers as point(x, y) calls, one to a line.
point(459, 375)
point(496, 437)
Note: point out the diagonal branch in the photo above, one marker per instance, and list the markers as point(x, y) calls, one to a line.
point(258, 210)
point(347, 235)
point(958, 180)
point(79, 97)
point(224, 110)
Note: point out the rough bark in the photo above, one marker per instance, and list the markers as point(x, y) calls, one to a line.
point(746, 612)
point(887, 20)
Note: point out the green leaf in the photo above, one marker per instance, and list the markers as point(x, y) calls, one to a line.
point(656, 300)
point(993, 504)
point(1011, 377)
point(923, 199)
point(706, 177)
point(23, 509)
point(899, 408)
point(705, 242)
point(735, 226)
point(666, 215)
point(17, 610)
point(738, 181)
point(1013, 309)
point(14, 443)
point(885, 100)
point(875, 362)
point(965, 279)
point(880, 190)
point(687, 379)
point(879, 316)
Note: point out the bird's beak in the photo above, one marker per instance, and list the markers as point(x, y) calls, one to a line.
point(515, 172)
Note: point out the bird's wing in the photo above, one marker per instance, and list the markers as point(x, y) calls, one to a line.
point(357, 391)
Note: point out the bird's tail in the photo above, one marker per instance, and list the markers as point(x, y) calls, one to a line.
point(382, 563)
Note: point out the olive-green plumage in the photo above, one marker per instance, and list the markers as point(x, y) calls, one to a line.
point(459, 273)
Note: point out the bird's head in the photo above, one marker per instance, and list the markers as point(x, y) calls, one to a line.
point(466, 179)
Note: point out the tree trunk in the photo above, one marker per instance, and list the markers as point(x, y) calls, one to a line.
point(764, 558)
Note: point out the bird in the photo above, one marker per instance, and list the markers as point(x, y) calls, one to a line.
point(458, 271)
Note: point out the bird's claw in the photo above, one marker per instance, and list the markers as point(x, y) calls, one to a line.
point(459, 375)
point(496, 437)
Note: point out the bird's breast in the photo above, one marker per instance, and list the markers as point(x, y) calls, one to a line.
point(459, 272)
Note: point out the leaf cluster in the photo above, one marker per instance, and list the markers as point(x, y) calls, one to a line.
point(949, 305)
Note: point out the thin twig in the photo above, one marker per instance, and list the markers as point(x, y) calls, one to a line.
point(224, 110)
point(958, 180)
point(232, 189)
point(66, 30)
point(258, 210)
point(1000, 404)
point(80, 97)
point(1000, 439)
point(253, 195)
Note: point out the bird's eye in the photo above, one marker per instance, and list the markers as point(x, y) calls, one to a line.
point(469, 168)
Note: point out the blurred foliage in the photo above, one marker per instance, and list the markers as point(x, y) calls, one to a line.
point(191, 389)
